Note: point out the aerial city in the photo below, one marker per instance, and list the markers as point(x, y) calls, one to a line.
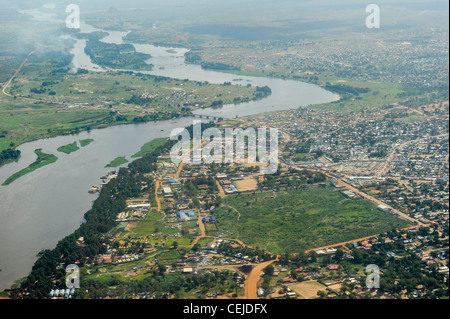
point(224, 151)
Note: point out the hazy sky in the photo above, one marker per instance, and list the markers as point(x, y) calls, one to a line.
point(179, 14)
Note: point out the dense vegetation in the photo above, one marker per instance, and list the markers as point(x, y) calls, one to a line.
point(192, 57)
point(116, 56)
point(8, 155)
point(295, 220)
point(191, 186)
point(346, 92)
point(160, 285)
point(297, 179)
point(219, 66)
point(160, 116)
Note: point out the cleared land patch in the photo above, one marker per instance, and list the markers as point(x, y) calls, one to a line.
point(247, 184)
point(307, 289)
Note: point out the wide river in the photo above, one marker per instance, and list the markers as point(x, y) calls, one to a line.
point(41, 208)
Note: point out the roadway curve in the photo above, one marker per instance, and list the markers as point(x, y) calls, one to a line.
point(251, 284)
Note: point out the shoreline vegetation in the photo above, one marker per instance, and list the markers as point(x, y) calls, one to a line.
point(69, 148)
point(98, 221)
point(43, 159)
point(117, 162)
point(8, 156)
point(150, 147)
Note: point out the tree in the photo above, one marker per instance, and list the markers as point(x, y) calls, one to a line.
point(339, 254)
point(269, 270)
point(321, 294)
point(161, 269)
point(313, 256)
point(196, 202)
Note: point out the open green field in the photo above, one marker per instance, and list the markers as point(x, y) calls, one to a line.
point(24, 125)
point(120, 91)
point(205, 241)
point(380, 95)
point(69, 148)
point(149, 147)
point(117, 161)
point(146, 228)
point(42, 160)
point(297, 220)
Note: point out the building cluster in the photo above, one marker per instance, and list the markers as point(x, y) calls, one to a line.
point(388, 61)
point(334, 278)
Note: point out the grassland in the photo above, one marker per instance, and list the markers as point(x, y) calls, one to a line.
point(42, 160)
point(69, 148)
point(297, 220)
point(149, 147)
point(28, 124)
point(122, 89)
point(380, 95)
point(117, 162)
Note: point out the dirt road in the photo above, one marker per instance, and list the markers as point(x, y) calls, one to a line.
point(251, 284)
point(15, 74)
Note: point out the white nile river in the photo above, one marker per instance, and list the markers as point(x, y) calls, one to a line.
point(42, 207)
